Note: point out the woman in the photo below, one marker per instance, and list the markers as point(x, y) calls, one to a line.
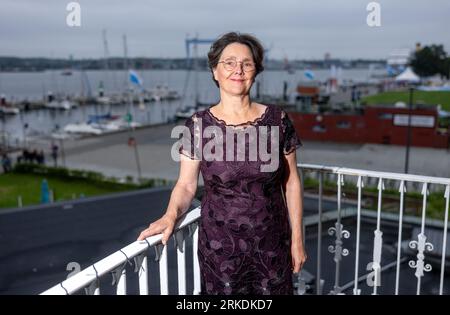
point(250, 236)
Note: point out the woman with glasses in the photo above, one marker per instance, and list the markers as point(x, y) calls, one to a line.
point(250, 235)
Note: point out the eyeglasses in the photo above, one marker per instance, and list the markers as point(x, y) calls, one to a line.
point(230, 65)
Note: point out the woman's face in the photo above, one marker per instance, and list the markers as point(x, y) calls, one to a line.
point(236, 81)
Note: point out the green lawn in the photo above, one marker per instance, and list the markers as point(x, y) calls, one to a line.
point(433, 97)
point(29, 187)
point(413, 200)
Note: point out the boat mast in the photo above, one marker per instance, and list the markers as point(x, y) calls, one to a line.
point(196, 70)
point(105, 50)
point(132, 137)
point(127, 70)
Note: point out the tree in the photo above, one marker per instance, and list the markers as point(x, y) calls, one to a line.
point(447, 68)
point(431, 60)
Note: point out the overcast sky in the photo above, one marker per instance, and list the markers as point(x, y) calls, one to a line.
point(303, 29)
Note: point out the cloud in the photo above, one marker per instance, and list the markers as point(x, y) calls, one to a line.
point(158, 28)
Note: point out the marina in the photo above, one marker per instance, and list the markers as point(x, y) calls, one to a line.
point(39, 121)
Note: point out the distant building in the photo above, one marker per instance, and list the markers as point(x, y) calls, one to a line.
point(398, 60)
point(373, 124)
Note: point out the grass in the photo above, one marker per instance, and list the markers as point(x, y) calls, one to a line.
point(413, 200)
point(419, 97)
point(28, 186)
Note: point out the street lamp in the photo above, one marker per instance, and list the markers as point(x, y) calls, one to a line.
point(408, 139)
point(132, 137)
point(3, 130)
point(25, 127)
point(61, 143)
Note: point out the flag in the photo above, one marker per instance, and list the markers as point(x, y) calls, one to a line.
point(45, 193)
point(135, 78)
point(309, 74)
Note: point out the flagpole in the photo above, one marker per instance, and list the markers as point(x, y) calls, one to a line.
point(129, 117)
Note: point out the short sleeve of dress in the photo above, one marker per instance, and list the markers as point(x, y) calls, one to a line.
point(190, 139)
point(290, 141)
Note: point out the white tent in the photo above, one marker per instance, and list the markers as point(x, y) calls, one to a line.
point(408, 76)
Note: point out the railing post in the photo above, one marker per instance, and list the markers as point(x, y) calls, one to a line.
point(141, 263)
point(421, 244)
point(378, 241)
point(122, 284)
point(340, 233)
point(92, 289)
point(163, 272)
point(196, 266)
point(360, 185)
point(181, 261)
point(338, 248)
point(444, 241)
point(319, 238)
point(402, 190)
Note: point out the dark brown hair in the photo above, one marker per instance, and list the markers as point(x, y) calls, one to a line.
point(234, 37)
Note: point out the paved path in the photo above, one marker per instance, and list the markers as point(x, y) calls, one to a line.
point(111, 155)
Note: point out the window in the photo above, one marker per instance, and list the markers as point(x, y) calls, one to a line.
point(385, 116)
point(343, 124)
point(319, 128)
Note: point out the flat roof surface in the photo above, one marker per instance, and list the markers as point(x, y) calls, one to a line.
point(37, 244)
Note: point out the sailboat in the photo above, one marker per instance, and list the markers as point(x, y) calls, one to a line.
point(59, 100)
point(102, 98)
point(53, 102)
point(67, 72)
point(160, 93)
point(6, 108)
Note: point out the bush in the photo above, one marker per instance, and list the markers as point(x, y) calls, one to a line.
point(28, 168)
point(77, 174)
point(98, 178)
point(129, 179)
point(95, 176)
point(58, 172)
point(112, 179)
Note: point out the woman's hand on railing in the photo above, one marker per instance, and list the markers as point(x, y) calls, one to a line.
point(164, 225)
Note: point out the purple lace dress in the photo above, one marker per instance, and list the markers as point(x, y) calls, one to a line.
point(244, 232)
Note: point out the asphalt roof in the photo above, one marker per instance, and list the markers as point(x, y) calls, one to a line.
point(37, 244)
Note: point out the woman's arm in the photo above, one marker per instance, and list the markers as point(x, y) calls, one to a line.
point(294, 201)
point(180, 200)
point(185, 188)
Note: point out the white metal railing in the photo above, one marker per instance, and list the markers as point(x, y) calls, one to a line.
point(88, 279)
point(421, 244)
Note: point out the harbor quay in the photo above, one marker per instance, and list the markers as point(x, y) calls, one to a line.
point(114, 155)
